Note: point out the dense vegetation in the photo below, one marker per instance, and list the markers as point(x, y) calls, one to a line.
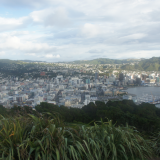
point(61, 133)
point(145, 117)
point(152, 64)
point(47, 138)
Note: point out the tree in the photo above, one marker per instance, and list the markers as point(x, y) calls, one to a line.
point(3, 110)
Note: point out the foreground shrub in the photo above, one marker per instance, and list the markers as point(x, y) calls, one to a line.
point(105, 141)
point(48, 138)
point(156, 145)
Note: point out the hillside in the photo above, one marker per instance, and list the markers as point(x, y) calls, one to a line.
point(152, 64)
point(104, 61)
point(30, 61)
point(7, 62)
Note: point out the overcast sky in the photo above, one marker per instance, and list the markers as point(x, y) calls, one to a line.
point(66, 30)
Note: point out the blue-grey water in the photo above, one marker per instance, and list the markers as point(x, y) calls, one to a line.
point(139, 91)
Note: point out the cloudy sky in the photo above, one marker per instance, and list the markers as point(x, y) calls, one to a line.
point(66, 30)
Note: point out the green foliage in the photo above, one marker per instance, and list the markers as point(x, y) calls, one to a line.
point(47, 137)
point(21, 111)
point(3, 110)
point(145, 117)
point(54, 132)
point(156, 144)
point(67, 114)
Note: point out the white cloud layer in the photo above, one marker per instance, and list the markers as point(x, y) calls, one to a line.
point(90, 30)
point(51, 17)
point(52, 56)
point(69, 30)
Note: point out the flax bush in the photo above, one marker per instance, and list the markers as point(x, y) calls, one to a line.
point(48, 138)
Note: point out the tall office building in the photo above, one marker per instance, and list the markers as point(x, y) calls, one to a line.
point(121, 77)
point(96, 75)
point(87, 81)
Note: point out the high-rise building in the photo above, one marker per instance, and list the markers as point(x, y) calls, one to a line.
point(121, 77)
point(96, 75)
point(87, 81)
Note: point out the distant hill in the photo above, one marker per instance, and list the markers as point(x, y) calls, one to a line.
point(152, 64)
point(7, 62)
point(103, 61)
point(30, 61)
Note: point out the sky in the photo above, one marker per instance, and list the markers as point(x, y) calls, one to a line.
point(67, 30)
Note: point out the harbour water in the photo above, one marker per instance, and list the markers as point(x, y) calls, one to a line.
point(140, 91)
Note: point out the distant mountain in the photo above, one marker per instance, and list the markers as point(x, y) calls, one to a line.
point(103, 61)
point(152, 64)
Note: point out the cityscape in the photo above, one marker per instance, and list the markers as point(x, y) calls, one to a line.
point(70, 85)
point(79, 80)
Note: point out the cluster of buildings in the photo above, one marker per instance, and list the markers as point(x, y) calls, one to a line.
point(73, 86)
point(139, 78)
point(68, 91)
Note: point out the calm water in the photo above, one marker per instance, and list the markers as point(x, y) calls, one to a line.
point(139, 91)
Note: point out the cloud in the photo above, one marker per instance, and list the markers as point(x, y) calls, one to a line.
point(2, 53)
point(52, 56)
point(79, 29)
point(95, 51)
point(15, 43)
point(26, 3)
point(31, 54)
point(7, 24)
point(89, 30)
point(51, 17)
point(135, 36)
point(140, 54)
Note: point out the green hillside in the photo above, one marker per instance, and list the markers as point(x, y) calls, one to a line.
point(152, 64)
point(7, 62)
point(103, 61)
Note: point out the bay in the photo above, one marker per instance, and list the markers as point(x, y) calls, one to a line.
point(139, 91)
